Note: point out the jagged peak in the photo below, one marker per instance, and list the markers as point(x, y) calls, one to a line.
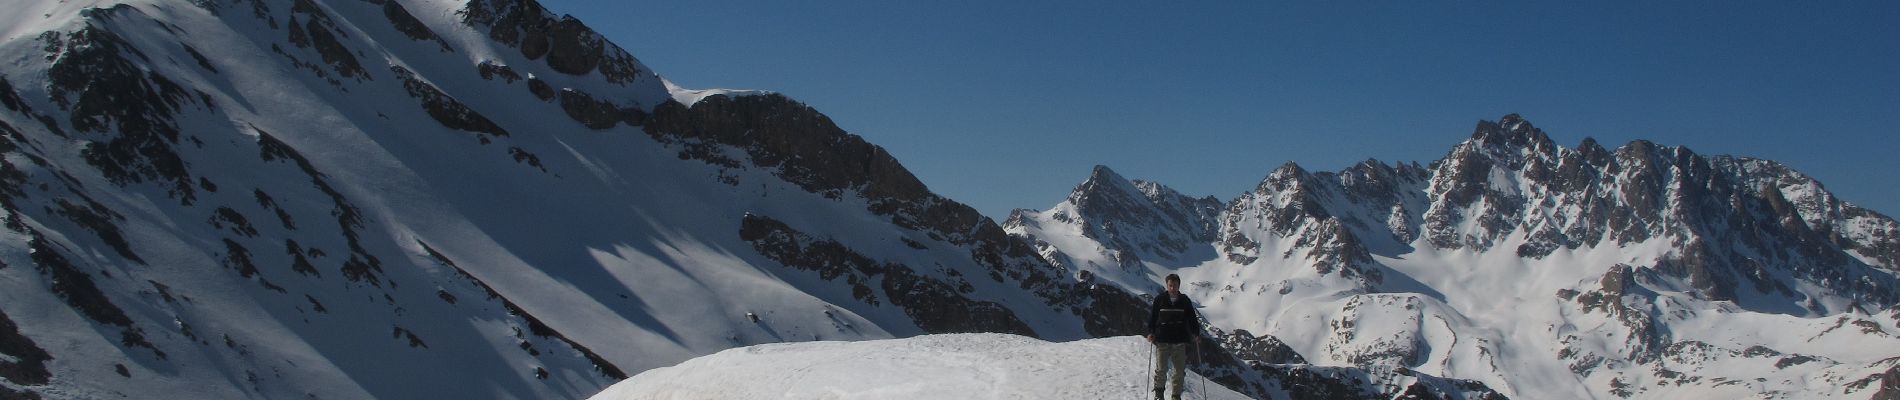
point(1512, 132)
point(1589, 143)
point(1639, 146)
point(1102, 176)
point(1413, 170)
point(1101, 172)
point(1592, 151)
point(1288, 170)
point(1102, 182)
point(1371, 167)
point(1105, 187)
point(1640, 155)
point(1289, 176)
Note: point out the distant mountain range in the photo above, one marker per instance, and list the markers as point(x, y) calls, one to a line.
point(1646, 271)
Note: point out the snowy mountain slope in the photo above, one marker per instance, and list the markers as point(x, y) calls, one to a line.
point(982, 366)
point(1543, 271)
point(357, 199)
point(466, 199)
point(1134, 221)
point(950, 366)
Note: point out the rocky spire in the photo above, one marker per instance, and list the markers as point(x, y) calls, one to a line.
point(1139, 218)
point(1512, 138)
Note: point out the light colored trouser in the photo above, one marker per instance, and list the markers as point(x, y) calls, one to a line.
point(1170, 354)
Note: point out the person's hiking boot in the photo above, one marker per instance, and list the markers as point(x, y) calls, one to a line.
point(1158, 394)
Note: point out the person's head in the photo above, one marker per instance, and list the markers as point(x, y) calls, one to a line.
point(1174, 283)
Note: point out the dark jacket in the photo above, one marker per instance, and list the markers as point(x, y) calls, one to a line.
point(1173, 320)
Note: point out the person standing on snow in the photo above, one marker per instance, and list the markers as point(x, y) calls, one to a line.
point(1172, 323)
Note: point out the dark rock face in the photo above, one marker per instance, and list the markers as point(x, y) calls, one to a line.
point(1383, 190)
point(238, 258)
point(937, 306)
point(569, 45)
point(445, 109)
point(541, 89)
point(524, 157)
point(1258, 349)
point(1304, 207)
point(300, 262)
point(1111, 311)
point(238, 224)
point(1291, 204)
point(570, 51)
point(806, 147)
point(26, 361)
point(595, 114)
point(1141, 220)
point(202, 61)
point(76, 287)
point(283, 217)
point(409, 25)
point(1308, 382)
point(1622, 295)
point(114, 95)
point(1889, 385)
point(1334, 248)
point(321, 32)
point(1462, 180)
point(490, 71)
point(100, 220)
point(361, 266)
point(11, 99)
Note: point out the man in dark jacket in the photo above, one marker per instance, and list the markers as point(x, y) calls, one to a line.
point(1172, 323)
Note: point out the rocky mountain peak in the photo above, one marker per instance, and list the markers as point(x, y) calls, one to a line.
point(1289, 177)
point(1103, 184)
point(1644, 237)
point(1592, 151)
point(1510, 143)
point(1107, 196)
point(1512, 132)
point(1141, 218)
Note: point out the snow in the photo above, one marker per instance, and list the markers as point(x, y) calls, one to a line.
point(621, 246)
point(946, 366)
point(689, 97)
point(1494, 316)
point(615, 243)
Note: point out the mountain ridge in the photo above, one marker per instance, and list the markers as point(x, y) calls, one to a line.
point(389, 198)
point(1646, 244)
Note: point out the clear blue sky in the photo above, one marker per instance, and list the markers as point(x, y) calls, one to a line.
point(1009, 104)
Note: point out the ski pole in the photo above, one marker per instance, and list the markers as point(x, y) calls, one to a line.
point(1150, 378)
point(1203, 361)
